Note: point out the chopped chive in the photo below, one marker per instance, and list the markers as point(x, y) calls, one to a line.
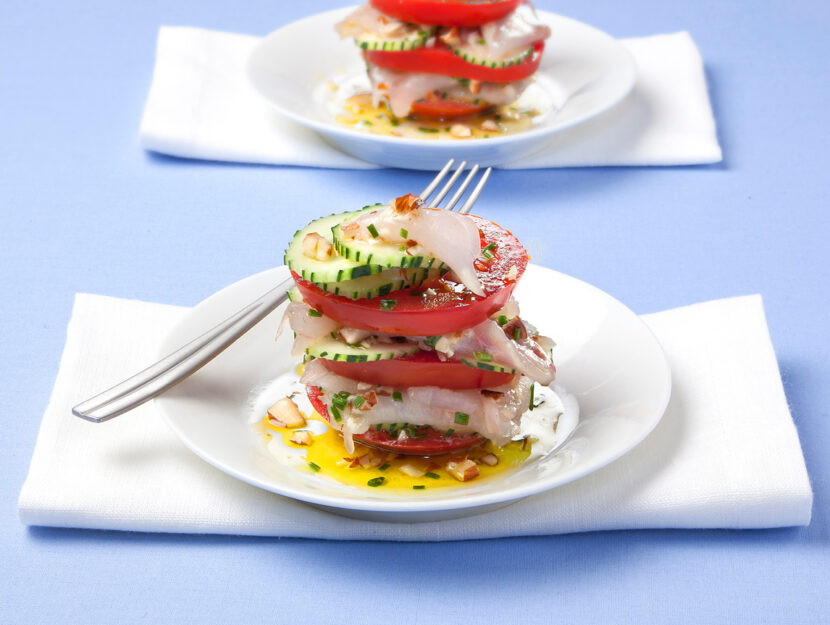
point(358, 401)
point(378, 427)
point(481, 42)
point(502, 320)
point(517, 333)
point(422, 129)
point(532, 389)
point(376, 481)
point(388, 304)
point(449, 432)
point(482, 356)
point(396, 395)
point(314, 313)
point(335, 413)
point(394, 122)
point(462, 418)
point(402, 248)
point(418, 487)
point(431, 340)
point(339, 400)
point(404, 233)
point(434, 476)
point(383, 467)
point(313, 467)
point(372, 230)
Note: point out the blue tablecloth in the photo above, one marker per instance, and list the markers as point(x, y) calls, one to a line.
point(84, 209)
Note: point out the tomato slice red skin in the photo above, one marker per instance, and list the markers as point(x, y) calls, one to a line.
point(449, 312)
point(446, 13)
point(410, 318)
point(442, 60)
point(421, 369)
point(447, 109)
point(432, 443)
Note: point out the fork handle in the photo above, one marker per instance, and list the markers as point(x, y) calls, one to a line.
point(185, 361)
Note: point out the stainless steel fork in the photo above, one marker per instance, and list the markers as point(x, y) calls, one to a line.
point(172, 369)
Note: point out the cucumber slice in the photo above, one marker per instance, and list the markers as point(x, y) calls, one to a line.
point(487, 366)
point(387, 255)
point(333, 269)
point(380, 284)
point(373, 41)
point(470, 57)
point(365, 351)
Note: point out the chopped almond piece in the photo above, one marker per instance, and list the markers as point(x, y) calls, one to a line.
point(414, 468)
point(460, 130)
point(451, 37)
point(406, 203)
point(462, 470)
point(489, 124)
point(490, 460)
point(371, 459)
point(302, 437)
point(316, 247)
point(370, 400)
point(285, 414)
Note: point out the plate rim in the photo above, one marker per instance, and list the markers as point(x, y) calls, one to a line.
point(529, 135)
point(383, 505)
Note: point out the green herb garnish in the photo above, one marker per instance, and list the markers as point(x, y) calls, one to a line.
point(462, 418)
point(532, 390)
point(313, 467)
point(376, 481)
point(388, 304)
point(397, 396)
point(372, 230)
point(517, 333)
point(404, 233)
point(383, 467)
point(431, 340)
point(358, 401)
point(314, 313)
point(422, 129)
point(418, 487)
point(482, 356)
point(336, 413)
point(449, 432)
point(502, 320)
point(432, 475)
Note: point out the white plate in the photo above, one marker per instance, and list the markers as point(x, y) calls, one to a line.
point(605, 356)
point(583, 73)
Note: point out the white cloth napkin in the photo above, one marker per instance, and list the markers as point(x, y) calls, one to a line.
point(725, 455)
point(201, 106)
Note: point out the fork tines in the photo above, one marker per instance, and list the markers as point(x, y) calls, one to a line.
point(426, 194)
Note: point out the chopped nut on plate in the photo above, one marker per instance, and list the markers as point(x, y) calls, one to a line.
point(460, 130)
point(302, 437)
point(462, 470)
point(285, 414)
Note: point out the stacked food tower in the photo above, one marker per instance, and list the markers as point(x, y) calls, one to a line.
point(447, 59)
point(411, 339)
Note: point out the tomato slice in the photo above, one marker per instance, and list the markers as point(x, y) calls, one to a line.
point(436, 308)
point(441, 60)
point(421, 369)
point(446, 12)
point(430, 442)
point(447, 109)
